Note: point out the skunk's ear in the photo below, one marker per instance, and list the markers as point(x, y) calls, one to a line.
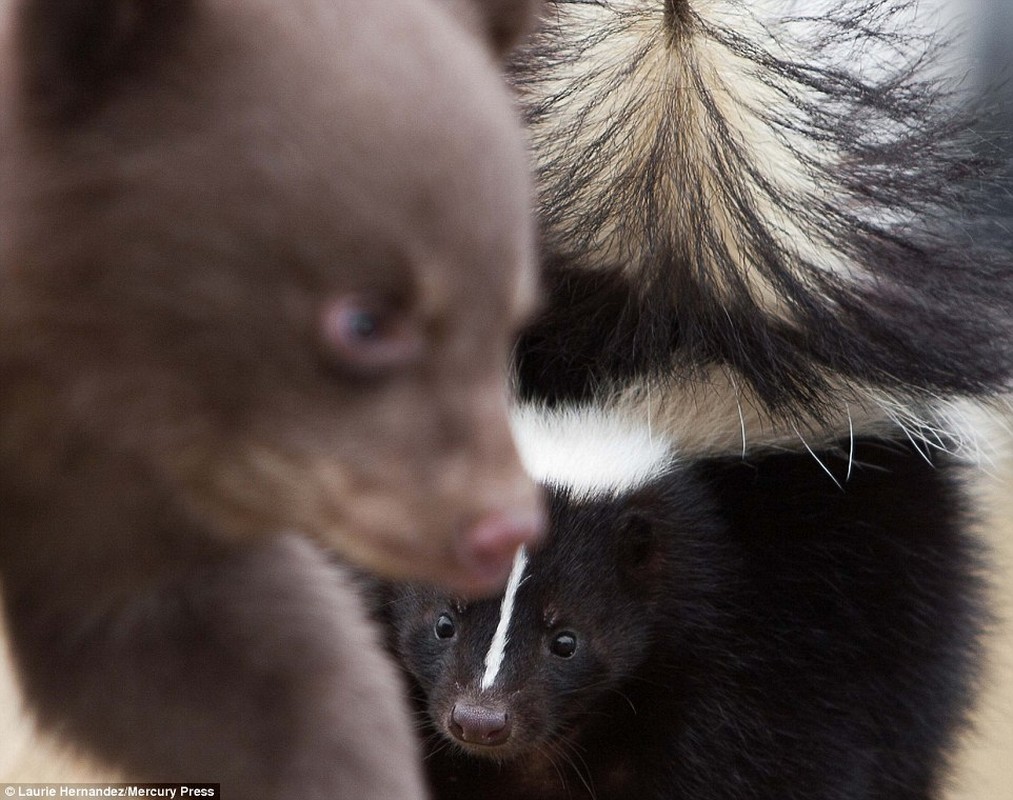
point(640, 544)
point(502, 22)
point(73, 54)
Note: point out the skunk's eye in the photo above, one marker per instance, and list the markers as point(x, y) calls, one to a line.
point(444, 627)
point(564, 645)
point(369, 334)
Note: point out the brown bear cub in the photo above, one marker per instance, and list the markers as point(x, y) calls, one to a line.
point(261, 264)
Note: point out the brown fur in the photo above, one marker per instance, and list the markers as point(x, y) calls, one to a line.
point(193, 194)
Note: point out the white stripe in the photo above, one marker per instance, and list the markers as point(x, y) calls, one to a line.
point(497, 648)
point(597, 451)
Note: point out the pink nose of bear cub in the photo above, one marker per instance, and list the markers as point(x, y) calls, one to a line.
point(486, 550)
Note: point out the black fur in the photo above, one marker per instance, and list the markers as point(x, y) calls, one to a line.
point(931, 314)
point(784, 634)
point(745, 630)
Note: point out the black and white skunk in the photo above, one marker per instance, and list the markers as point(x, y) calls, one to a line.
point(761, 231)
point(697, 634)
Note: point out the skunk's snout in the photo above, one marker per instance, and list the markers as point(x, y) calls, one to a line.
point(480, 724)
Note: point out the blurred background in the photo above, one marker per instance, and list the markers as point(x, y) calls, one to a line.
point(985, 765)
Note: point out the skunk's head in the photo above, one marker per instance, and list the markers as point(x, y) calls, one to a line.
point(505, 676)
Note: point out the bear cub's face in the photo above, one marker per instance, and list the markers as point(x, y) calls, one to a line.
point(275, 255)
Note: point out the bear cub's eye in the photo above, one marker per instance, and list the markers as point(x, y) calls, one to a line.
point(564, 645)
point(361, 324)
point(370, 334)
point(444, 627)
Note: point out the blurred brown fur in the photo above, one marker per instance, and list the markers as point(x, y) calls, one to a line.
point(193, 196)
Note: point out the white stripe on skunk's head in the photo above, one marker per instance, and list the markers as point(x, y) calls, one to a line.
point(589, 450)
point(501, 636)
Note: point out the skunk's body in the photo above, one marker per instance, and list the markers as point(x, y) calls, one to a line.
point(692, 633)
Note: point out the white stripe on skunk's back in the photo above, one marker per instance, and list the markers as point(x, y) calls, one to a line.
point(497, 647)
point(589, 450)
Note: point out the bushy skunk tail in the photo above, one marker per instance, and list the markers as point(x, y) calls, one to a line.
point(785, 200)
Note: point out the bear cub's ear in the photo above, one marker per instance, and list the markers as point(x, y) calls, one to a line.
point(73, 53)
point(502, 22)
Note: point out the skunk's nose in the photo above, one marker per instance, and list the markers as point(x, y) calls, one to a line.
point(477, 724)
